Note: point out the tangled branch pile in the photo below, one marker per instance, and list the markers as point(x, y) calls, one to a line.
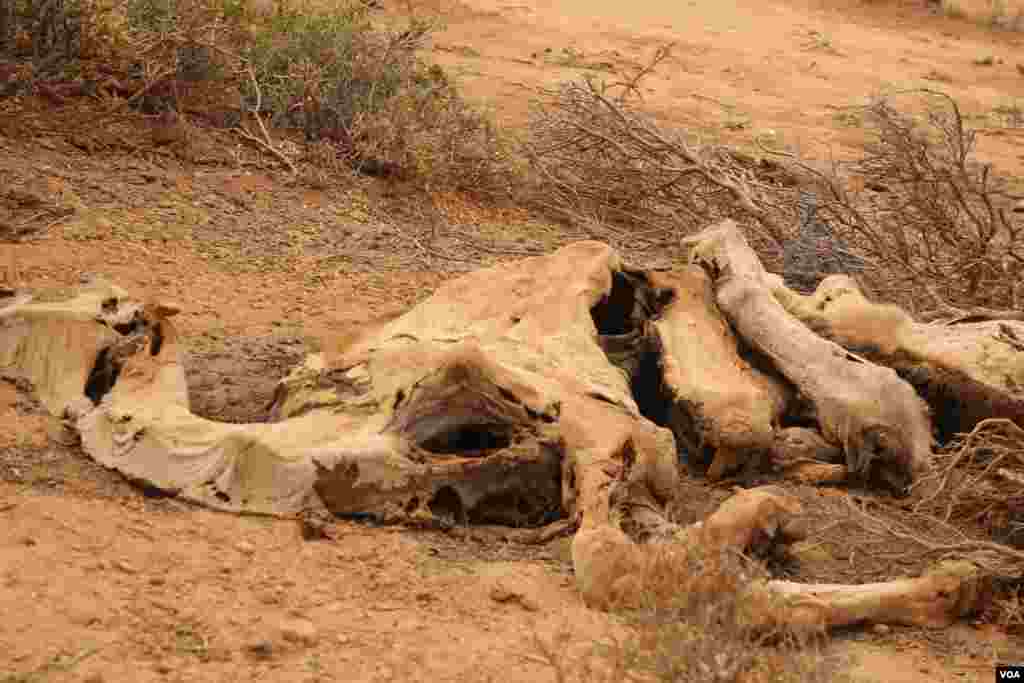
point(924, 537)
point(979, 479)
point(602, 161)
point(916, 212)
point(929, 215)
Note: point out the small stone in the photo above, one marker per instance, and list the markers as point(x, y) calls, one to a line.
point(157, 581)
point(163, 668)
point(245, 547)
point(389, 607)
point(300, 631)
point(270, 597)
point(166, 606)
point(314, 529)
point(343, 639)
point(125, 567)
point(503, 593)
point(83, 617)
point(881, 629)
point(29, 541)
point(263, 649)
point(528, 603)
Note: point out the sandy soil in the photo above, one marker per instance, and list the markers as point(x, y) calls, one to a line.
point(783, 70)
point(100, 582)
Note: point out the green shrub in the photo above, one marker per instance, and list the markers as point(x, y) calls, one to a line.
point(61, 30)
point(306, 68)
point(327, 70)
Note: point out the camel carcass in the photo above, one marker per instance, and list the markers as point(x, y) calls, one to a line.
point(967, 370)
point(565, 386)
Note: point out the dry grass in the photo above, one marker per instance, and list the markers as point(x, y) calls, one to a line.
point(1003, 14)
point(699, 624)
point(953, 9)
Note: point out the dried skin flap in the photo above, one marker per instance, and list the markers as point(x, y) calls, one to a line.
point(967, 372)
point(720, 403)
point(491, 364)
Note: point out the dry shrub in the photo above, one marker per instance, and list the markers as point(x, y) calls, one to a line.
point(928, 215)
point(920, 536)
point(429, 132)
point(66, 37)
point(388, 111)
point(917, 210)
point(1007, 609)
point(700, 623)
point(48, 29)
point(1001, 14)
point(367, 92)
point(979, 480)
point(599, 160)
point(327, 70)
point(972, 506)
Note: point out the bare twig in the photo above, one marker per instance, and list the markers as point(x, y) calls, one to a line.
point(993, 443)
point(995, 558)
point(265, 141)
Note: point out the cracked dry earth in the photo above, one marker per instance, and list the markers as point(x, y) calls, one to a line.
point(101, 581)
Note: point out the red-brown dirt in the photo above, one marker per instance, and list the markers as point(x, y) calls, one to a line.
point(99, 582)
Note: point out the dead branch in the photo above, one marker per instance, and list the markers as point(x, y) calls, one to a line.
point(948, 314)
point(926, 213)
point(978, 476)
point(996, 559)
point(599, 156)
point(630, 85)
point(265, 141)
